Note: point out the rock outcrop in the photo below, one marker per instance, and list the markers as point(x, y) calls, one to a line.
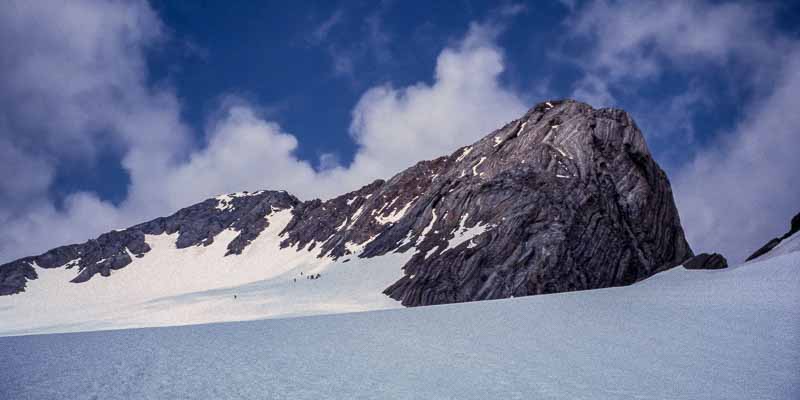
point(794, 227)
point(706, 261)
point(565, 198)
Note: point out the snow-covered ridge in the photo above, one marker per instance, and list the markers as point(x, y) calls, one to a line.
point(171, 286)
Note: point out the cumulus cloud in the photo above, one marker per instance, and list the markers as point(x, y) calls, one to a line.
point(73, 79)
point(395, 127)
point(77, 84)
point(736, 193)
point(95, 91)
point(638, 39)
point(243, 151)
point(741, 191)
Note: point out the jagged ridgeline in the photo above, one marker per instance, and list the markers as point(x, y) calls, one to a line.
point(565, 198)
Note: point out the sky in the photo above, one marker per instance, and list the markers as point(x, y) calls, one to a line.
point(116, 112)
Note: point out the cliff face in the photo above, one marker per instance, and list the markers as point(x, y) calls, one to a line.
point(565, 198)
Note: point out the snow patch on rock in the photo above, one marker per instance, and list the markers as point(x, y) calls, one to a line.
point(463, 234)
point(464, 153)
point(475, 167)
point(428, 227)
point(395, 215)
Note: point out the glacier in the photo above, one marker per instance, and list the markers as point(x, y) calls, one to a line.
point(681, 334)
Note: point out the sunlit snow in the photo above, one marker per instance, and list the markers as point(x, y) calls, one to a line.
point(725, 334)
point(464, 153)
point(171, 286)
point(475, 167)
point(463, 234)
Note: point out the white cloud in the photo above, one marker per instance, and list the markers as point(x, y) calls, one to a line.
point(629, 37)
point(396, 127)
point(30, 179)
point(91, 84)
point(243, 151)
point(633, 42)
point(737, 192)
point(742, 191)
point(73, 79)
point(107, 100)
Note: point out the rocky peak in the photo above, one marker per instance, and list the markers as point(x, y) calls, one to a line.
point(196, 225)
point(565, 198)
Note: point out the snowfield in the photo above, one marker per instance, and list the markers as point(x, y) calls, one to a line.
point(724, 334)
point(171, 286)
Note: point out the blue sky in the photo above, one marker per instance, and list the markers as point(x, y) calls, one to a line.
point(116, 112)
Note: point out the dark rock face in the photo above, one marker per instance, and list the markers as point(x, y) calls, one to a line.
point(706, 261)
point(196, 225)
point(565, 198)
point(794, 227)
point(571, 199)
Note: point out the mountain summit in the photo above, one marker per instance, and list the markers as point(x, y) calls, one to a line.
point(565, 198)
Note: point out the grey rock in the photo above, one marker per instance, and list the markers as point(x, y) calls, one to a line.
point(565, 198)
point(794, 227)
point(575, 201)
point(196, 226)
point(706, 261)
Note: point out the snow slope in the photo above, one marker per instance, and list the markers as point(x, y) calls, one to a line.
point(725, 334)
point(171, 286)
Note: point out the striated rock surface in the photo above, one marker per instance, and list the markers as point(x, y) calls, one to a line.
point(565, 198)
point(706, 261)
point(195, 225)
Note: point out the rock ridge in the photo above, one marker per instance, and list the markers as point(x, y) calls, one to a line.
point(567, 197)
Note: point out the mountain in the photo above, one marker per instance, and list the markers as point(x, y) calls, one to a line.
point(565, 198)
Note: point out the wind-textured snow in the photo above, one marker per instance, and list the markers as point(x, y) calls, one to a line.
point(171, 286)
point(724, 334)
